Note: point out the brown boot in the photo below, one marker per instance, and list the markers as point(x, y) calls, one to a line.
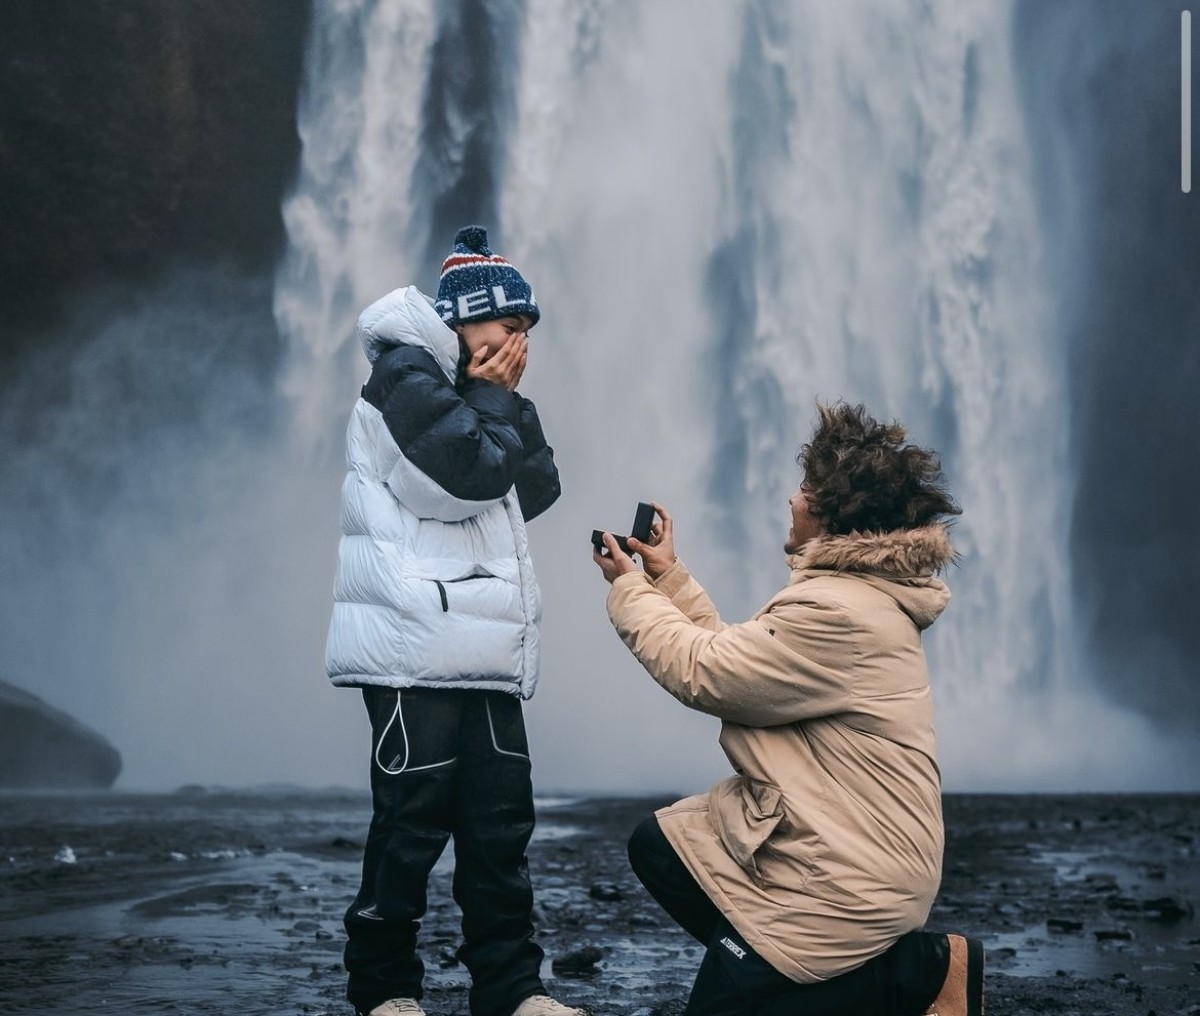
point(962, 990)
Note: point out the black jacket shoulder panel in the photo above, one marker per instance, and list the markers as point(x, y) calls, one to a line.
point(466, 439)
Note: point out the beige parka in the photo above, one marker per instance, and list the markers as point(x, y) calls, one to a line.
point(827, 845)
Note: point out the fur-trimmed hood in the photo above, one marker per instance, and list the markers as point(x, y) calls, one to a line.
point(901, 553)
point(902, 563)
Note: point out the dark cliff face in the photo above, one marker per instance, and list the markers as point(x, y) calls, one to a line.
point(146, 147)
point(1101, 87)
point(135, 131)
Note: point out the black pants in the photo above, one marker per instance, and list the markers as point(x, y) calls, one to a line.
point(733, 980)
point(446, 763)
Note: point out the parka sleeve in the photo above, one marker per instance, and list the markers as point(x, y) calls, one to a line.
point(741, 673)
point(538, 485)
point(689, 596)
point(466, 440)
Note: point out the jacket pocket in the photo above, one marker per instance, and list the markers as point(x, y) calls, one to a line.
point(745, 813)
point(468, 593)
point(464, 627)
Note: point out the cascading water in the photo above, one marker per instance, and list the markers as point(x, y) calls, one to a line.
point(359, 122)
point(727, 211)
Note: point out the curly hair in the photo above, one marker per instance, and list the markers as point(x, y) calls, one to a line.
point(860, 476)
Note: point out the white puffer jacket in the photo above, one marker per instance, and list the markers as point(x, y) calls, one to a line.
point(435, 586)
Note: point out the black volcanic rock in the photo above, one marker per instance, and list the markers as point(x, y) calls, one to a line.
point(580, 962)
point(42, 747)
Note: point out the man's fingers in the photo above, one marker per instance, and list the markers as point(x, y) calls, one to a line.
point(614, 548)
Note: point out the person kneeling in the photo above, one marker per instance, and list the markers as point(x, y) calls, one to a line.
point(808, 874)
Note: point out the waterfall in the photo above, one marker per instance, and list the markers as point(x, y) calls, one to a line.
point(727, 210)
point(359, 124)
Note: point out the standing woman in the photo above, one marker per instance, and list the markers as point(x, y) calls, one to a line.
point(808, 874)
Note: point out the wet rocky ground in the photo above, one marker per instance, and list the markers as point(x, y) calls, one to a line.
point(208, 902)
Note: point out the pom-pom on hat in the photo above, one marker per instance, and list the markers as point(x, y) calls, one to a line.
point(477, 285)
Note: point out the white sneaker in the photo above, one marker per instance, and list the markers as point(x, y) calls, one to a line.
point(544, 1005)
point(398, 1007)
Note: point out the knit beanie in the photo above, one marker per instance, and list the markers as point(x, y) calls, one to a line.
point(477, 285)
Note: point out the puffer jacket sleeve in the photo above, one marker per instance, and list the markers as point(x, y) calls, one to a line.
point(467, 440)
point(741, 673)
point(537, 480)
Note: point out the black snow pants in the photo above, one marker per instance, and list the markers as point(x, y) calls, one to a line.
point(733, 980)
point(446, 763)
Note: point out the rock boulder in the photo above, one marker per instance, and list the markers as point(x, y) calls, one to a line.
point(44, 748)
